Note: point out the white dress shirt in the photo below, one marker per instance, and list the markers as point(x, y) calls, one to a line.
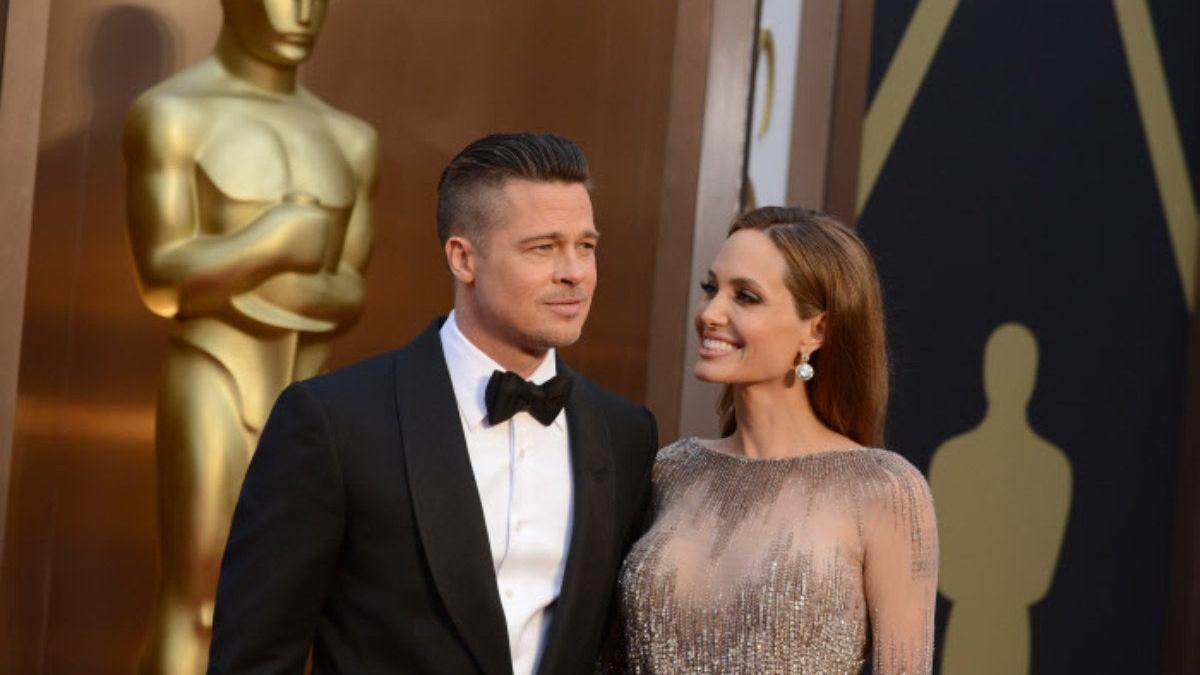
point(523, 473)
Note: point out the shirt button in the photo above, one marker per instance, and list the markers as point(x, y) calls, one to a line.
point(517, 527)
point(521, 453)
point(508, 594)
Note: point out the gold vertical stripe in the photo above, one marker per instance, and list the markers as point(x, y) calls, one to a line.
point(898, 89)
point(1162, 137)
point(766, 47)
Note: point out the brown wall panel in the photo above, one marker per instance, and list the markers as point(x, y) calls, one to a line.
point(848, 109)
point(80, 558)
point(3, 29)
point(1181, 650)
point(665, 369)
point(20, 106)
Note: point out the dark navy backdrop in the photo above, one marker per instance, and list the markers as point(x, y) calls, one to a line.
point(1020, 189)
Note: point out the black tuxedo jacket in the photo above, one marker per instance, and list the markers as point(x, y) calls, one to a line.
point(359, 530)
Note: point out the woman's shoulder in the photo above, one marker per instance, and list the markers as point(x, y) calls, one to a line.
point(883, 469)
point(694, 449)
point(684, 457)
point(892, 485)
point(682, 448)
point(892, 463)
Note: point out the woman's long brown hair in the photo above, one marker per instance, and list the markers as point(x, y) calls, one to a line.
point(831, 271)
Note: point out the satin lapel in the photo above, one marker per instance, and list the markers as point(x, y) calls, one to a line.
point(446, 501)
point(592, 533)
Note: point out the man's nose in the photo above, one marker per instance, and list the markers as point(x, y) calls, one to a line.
point(573, 268)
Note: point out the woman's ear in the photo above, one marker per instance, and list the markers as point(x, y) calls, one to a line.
point(461, 257)
point(814, 336)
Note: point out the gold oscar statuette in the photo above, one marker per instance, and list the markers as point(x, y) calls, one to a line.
point(1004, 497)
point(249, 210)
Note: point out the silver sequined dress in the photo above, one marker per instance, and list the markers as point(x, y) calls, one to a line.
point(810, 564)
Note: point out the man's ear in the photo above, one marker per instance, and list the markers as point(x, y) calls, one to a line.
point(462, 258)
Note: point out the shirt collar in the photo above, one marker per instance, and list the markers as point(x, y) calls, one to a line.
point(470, 369)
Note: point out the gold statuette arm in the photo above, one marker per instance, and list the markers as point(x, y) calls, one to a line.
point(346, 288)
point(181, 270)
point(325, 296)
point(337, 295)
point(363, 154)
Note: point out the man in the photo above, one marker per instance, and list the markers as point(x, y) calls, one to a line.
point(249, 204)
point(437, 509)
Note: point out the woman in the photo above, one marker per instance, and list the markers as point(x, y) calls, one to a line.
point(791, 544)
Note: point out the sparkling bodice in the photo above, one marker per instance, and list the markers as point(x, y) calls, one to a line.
point(809, 564)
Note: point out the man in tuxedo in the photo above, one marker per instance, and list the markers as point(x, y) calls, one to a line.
point(460, 505)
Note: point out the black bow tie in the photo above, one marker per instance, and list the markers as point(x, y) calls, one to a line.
point(509, 393)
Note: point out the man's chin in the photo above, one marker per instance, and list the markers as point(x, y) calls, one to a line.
point(557, 337)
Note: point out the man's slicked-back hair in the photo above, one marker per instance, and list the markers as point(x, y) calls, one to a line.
point(485, 164)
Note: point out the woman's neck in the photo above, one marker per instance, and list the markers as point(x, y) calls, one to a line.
point(777, 420)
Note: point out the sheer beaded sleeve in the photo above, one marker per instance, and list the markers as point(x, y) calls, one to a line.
point(900, 565)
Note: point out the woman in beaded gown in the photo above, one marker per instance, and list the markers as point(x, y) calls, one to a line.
point(793, 544)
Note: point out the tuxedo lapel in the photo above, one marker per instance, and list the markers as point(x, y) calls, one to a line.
point(446, 502)
point(592, 533)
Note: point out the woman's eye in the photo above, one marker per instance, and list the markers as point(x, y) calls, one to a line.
point(709, 288)
point(747, 298)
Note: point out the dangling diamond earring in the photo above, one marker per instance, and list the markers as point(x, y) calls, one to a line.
point(804, 371)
